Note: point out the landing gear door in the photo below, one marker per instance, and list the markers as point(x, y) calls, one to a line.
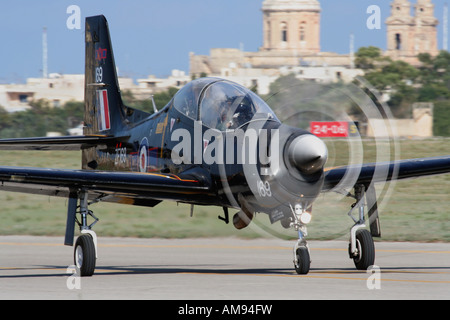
point(372, 206)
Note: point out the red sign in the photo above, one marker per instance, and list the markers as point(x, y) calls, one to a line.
point(333, 128)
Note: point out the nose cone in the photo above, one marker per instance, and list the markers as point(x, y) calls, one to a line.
point(308, 153)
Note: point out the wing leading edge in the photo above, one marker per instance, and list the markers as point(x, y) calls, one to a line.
point(58, 143)
point(365, 174)
point(146, 189)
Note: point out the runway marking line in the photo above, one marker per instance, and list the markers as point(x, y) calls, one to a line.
point(106, 271)
point(318, 277)
point(325, 274)
point(212, 246)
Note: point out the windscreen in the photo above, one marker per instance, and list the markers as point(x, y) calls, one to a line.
point(186, 100)
point(226, 106)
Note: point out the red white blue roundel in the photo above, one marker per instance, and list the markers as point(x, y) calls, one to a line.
point(143, 155)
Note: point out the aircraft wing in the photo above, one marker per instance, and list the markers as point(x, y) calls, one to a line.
point(344, 177)
point(147, 189)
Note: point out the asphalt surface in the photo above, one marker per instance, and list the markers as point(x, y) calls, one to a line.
point(220, 269)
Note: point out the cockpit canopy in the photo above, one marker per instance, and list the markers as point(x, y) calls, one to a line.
point(221, 104)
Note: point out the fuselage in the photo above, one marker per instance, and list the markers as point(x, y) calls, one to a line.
point(226, 134)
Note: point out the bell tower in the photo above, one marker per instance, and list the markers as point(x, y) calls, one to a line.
point(408, 35)
point(400, 30)
point(291, 25)
point(426, 28)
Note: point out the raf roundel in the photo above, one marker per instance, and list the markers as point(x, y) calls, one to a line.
point(143, 155)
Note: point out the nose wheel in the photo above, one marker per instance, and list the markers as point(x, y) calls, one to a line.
point(302, 260)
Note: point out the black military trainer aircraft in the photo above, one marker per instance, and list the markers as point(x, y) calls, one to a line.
point(215, 143)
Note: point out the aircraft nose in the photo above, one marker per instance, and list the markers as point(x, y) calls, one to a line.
point(308, 153)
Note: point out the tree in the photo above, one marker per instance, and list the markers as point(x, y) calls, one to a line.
point(297, 102)
point(434, 76)
point(40, 119)
point(4, 117)
point(368, 58)
point(393, 75)
point(441, 119)
point(398, 78)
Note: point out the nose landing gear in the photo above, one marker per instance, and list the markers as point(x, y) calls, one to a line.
point(302, 260)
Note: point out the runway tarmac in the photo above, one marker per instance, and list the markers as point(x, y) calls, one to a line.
point(220, 269)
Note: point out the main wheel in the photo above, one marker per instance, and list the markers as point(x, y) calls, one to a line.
point(366, 250)
point(303, 260)
point(84, 255)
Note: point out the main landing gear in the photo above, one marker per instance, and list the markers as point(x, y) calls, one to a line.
point(85, 251)
point(361, 247)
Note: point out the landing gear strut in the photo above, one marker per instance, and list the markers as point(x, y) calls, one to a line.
point(302, 260)
point(361, 247)
point(85, 252)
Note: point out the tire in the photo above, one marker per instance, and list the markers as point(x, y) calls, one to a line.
point(84, 255)
point(303, 261)
point(366, 250)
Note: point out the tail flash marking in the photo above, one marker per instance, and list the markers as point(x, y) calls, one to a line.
point(104, 120)
point(100, 54)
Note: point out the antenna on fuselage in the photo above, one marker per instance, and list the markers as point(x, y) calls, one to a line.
point(154, 105)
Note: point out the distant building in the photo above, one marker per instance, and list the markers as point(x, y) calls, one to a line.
point(291, 42)
point(151, 85)
point(57, 89)
point(421, 124)
point(291, 38)
point(291, 26)
point(408, 35)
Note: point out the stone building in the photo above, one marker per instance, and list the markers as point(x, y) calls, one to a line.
point(408, 35)
point(57, 89)
point(291, 39)
point(291, 25)
point(420, 125)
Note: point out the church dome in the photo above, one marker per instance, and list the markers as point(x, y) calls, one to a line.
point(291, 5)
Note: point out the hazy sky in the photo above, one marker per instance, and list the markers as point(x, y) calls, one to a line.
point(156, 36)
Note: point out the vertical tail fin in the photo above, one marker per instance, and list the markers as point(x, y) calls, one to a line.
point(104, 110)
